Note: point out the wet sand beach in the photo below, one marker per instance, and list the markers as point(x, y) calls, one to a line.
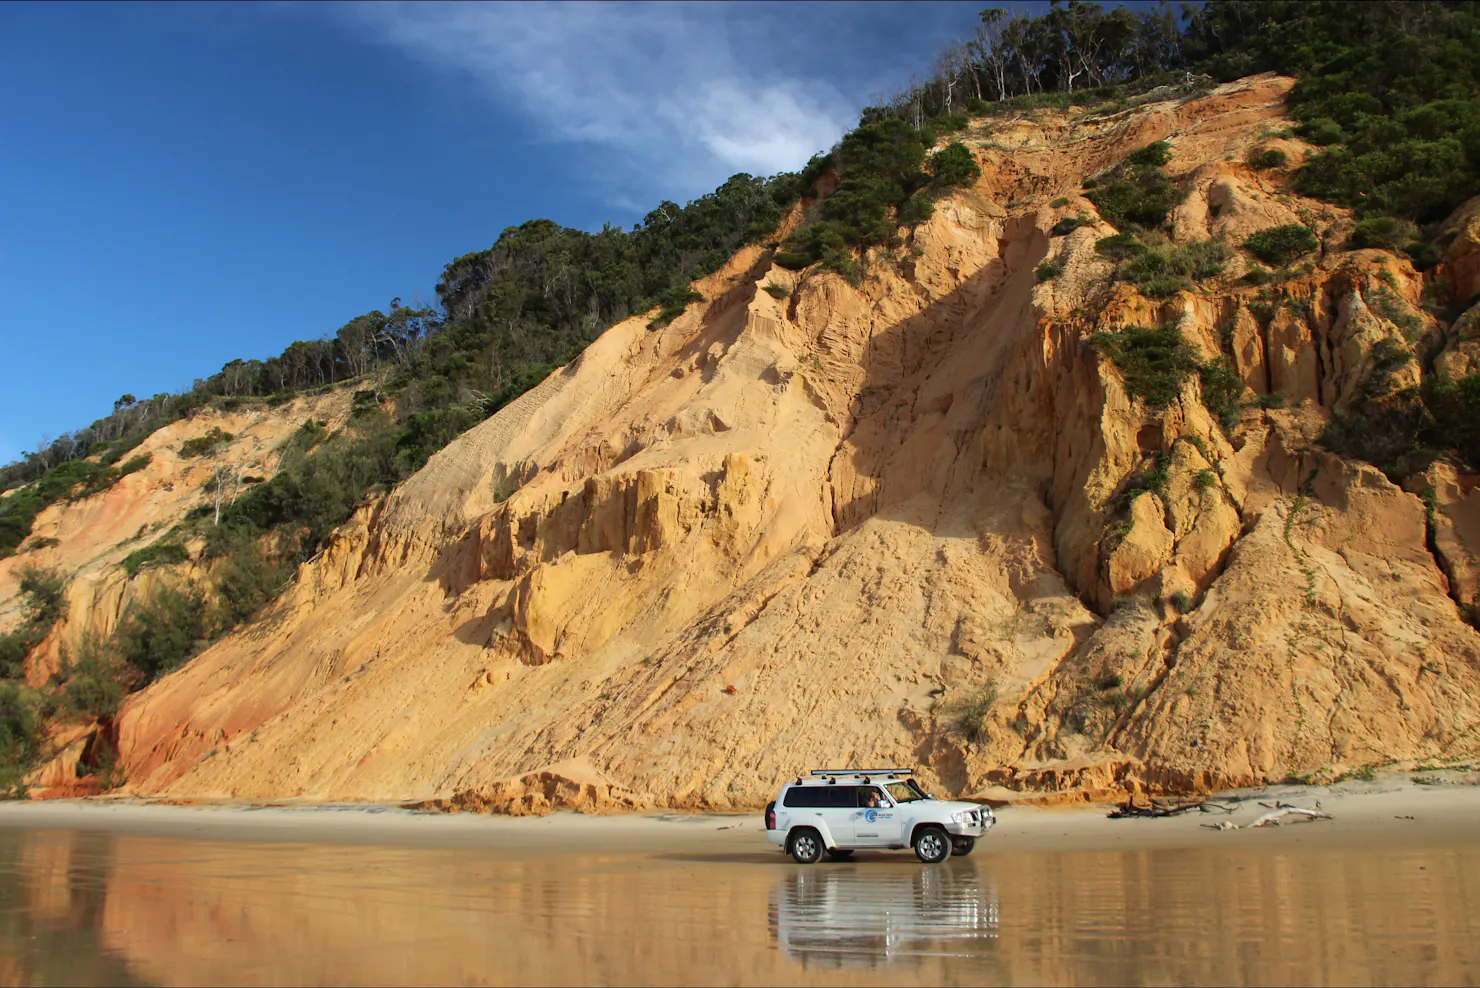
point(114, 892)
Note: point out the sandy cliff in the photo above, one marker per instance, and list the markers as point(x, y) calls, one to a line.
point(783, 533)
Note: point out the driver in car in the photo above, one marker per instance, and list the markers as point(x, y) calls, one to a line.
point(871, 797)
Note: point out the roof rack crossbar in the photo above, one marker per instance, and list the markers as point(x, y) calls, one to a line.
point(862, 771)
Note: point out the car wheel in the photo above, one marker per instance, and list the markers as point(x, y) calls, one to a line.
point(932, 846)
point(962, 846)
point(805, 846)
point(840, 854)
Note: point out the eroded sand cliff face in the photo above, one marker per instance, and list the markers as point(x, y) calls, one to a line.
point(95, 534)
point(785, 533)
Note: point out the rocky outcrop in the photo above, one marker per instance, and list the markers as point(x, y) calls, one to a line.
point(887, 522)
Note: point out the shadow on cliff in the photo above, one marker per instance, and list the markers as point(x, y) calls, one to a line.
point(958, 402)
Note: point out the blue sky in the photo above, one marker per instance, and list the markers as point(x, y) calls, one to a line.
point(185, 184)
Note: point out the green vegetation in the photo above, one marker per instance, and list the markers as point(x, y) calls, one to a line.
point(1398, 235)
point(1405, 430)
point(161, 553)
point(1396, 311)
point(22, 709)
point(1137, 192)
point(967, 715)
point(1048, 270)
point(1164, 269)
point(1222, 390)
point(70, 481)
point(1205, 480)
point(94, 685)
point(954, 165)
point(1277, 246)
point(21, 720)
point(1152, 480)
point(776, 291)
point(1181, 602)
point(1152, 362)
point(157, 634)
point(1268, 158)
point(675, 302)
point(206, 444)
point(1151, 156)
point(1070, 223)
point(883, 184)
point(42, 590)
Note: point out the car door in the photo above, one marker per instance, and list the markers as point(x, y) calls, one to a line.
point(838, 805)
point(878, 825)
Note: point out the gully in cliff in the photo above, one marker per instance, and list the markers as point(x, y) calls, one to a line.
point(839, 811)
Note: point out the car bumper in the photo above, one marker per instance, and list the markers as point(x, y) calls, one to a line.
point(977, 827)
point(777, 837)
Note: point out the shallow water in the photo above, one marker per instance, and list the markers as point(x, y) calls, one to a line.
point(92, 908)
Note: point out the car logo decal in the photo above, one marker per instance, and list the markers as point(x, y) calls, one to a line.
point(872, 816)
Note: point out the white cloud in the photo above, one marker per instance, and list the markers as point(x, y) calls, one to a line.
point(673, 95)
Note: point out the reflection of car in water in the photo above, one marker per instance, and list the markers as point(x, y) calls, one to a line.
point(862, 917)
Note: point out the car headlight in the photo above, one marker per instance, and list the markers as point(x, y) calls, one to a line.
point(962, 817)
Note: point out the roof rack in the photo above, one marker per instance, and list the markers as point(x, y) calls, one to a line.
point(824, 772)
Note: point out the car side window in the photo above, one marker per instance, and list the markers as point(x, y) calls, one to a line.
point(802, 796)
point(870, 796)
point(821, 796)
point(840, 796)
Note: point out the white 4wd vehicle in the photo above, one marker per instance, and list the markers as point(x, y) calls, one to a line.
point(839, 811)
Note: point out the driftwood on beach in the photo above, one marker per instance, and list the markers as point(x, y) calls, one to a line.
point(1277, 814)
point(1167, 807)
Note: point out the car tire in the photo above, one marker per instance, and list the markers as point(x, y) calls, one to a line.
point(804, 845)
point(840, 854)
point(932, 845)
point(962, 846)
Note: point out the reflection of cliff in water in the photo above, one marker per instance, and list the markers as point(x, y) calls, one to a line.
point(864, 915)
point(52, 896)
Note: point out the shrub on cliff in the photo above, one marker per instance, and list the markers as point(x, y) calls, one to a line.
point(1137, 192)
point(1153, 155)
point(159, 633)
point(1222, 390)
point(43, 593)
point(95, 684)
point(206, 444)
point(1279, 245)
point(1153, 363)
point(20, 735)
point(1268, 158)
point(954, 164)
point(248, 581)
point(162, 553)
point(675, 302)
point(1163, 268)
point(1403, 431)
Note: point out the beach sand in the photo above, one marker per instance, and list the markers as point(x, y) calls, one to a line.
point(1387, 809)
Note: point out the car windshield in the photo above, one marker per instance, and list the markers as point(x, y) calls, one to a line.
point(904, 792)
